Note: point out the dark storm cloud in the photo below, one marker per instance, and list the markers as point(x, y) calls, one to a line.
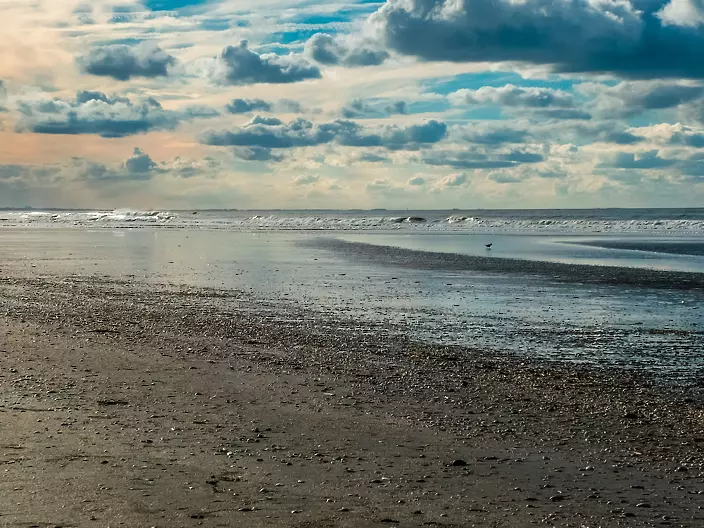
point(238, 65)
point(123, 62)
point(326, 49)
point(272, 133)
point(577, 36)
point(98, 113)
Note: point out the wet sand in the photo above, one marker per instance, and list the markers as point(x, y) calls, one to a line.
point(135, 405)
point(564, 272)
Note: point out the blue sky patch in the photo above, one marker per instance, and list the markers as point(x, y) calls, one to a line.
point(474, 81)
point(173, 5)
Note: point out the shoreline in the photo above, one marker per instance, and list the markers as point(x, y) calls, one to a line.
point(568, 273)
point(568, 444)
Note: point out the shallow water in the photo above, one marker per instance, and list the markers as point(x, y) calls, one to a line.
point(636, 251)
point(659, 330)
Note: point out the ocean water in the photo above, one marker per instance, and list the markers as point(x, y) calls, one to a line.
point(656, 221)
point(425, 273)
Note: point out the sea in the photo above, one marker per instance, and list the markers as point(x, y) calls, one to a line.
point(612, 288)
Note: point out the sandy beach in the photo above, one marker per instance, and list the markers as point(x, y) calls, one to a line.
point(126, 404)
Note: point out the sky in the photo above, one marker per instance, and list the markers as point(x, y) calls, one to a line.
point(334, 104)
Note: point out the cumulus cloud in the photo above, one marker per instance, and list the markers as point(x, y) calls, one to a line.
point(98, 113)
point(511, 95)
point(329, 50)
point(630, 40)
point(479, 158)
point(123, 62)
point(677, 134)
point(456, 179)
point(642, 160)
point(683, 13)
point(631, 98)
point(417, 181)
point(238, 65)
point(245, 106)
point(139, 163)
point(272, 133)
point(489, 135)
point(138, 167)
point(360, 108)
point(306, 179)
point(256, 153)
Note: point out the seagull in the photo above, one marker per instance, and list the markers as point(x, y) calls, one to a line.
point(488, 246)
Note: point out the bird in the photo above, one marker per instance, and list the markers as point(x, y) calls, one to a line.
point(488, 246)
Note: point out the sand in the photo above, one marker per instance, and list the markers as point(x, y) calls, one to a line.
point(125, 404)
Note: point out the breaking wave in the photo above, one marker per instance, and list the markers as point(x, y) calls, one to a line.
point(648, 221)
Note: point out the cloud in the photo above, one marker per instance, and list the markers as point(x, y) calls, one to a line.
point(491, 135)
point(383, 186)
point(630, 40)
point(3, 95)
point(683, 13)
point(139, 167)
point(693, 167)
point(479, 159)
point(672, 135)
point(306, 179)
point(372, 157)
point(326, 49)
point(504, 177)
point(642, 160)
point(238, 65)
point(562, 114)
point(97, 113)
point(140, 163)
point(255, 153)
point(199, 112)
point(123, 62)
point(244, 106)
point(454, 180)
point(272, 133)
point(511, 95)
point(632, 98)
point(399, 107)
point(417, 181)
point(359, 108)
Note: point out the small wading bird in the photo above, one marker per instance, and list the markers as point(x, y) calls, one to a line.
point(488, 246)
